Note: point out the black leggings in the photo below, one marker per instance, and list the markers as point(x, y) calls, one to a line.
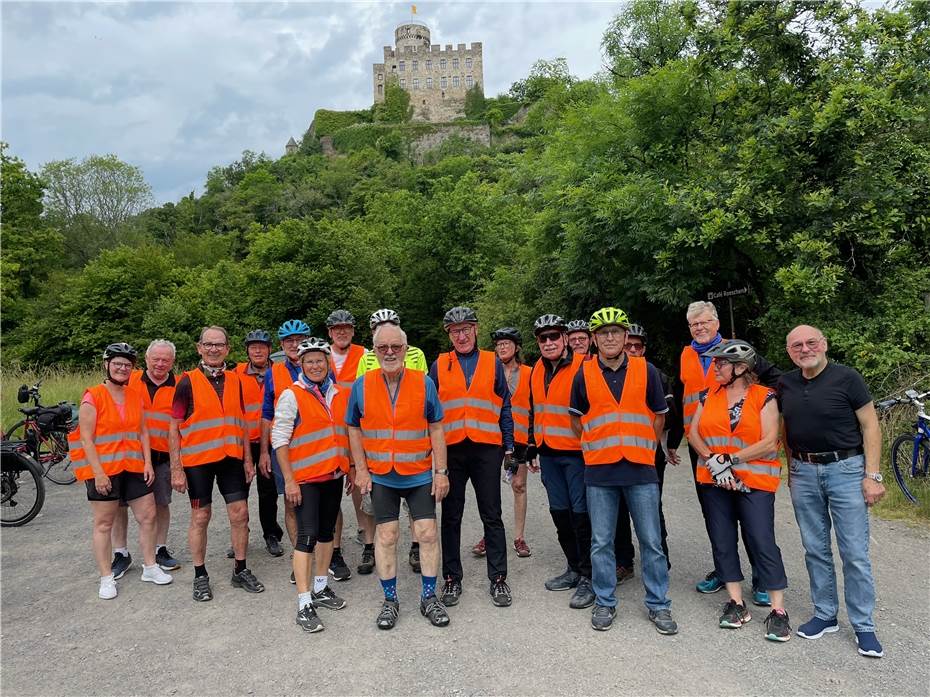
point(316, 514)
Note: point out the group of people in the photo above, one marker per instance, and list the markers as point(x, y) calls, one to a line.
point(593, 416)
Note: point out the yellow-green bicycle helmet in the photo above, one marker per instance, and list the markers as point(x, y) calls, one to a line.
point(607, 316)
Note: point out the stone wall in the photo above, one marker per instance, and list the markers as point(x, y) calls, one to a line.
point(480, 134)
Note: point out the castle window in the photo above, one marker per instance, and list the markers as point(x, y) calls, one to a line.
point(416, 83)
point(468, 63)
point(401, 66)
point(416, 66)
point(468, 81)
point(403, 83)
point(415, 50)
point(455, 63)
point(442, 64)
point(443, 95)
point(429, 83)
point(380, 89)
point(455, 80)
point(380, 77)
point(443, 82)
point(429, 65)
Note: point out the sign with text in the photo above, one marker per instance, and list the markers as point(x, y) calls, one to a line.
point(729, 293)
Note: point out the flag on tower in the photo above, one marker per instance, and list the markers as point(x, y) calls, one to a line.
point(413, 9)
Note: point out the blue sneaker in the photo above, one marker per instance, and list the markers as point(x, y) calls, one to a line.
point(710, 584)
point(815, 628)
point(761, 598)
point(120, 565)
point(869, 644)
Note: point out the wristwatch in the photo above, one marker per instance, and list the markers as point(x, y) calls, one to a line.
point(877, 476)
point(444, 472)
point(734, 460)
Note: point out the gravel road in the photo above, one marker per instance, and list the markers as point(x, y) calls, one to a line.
point(58, 638)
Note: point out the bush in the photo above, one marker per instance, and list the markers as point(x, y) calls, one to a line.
point(327, 122)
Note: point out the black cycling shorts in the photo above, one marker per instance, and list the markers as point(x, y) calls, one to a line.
point(386, 502)
point(125, 487)
point(230, 478)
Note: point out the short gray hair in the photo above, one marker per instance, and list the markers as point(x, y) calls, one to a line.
point(162, 343)
point(213, 328)
point(388, 325)
point(699, 307)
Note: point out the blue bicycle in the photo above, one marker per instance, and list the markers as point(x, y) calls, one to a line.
point(910, 452)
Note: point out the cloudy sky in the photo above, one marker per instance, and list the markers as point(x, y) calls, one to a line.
point(176, 88)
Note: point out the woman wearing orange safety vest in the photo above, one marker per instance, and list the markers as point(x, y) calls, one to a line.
point(110, 452)
point(735, 433)
point(309, 437)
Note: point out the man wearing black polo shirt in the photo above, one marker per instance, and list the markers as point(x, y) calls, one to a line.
point(833, 442)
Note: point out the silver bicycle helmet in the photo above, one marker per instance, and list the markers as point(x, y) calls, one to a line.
point(312, 344)
point(382, 316)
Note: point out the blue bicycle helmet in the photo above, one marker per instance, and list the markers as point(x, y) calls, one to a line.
point(293, 327)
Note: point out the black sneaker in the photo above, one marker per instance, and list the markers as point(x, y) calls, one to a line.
point(663, 621)
point(367, 564)
point(165, 559)
point(338, 567)
point(308, 620)
point(230, 553)
point(451, 592)
point(246, 580)
point(387, 618)
point(566, 580)
point(202, 590)
point(433, 610)
point(121, 564)
point(500, 592)
point(273, 545)
point(414, 558)
point(734, 615)
point(293, 580)
point(777, 627)
point(583, 596)
point(602, 617)
point(328, 599)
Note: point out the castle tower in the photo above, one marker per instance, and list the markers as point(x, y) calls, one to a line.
point(291, 146)
point(436, 78)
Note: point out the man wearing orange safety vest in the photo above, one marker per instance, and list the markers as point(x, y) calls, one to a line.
point(479, 436)
point(618, 410)
point(208, 442)
point(560, 456)
point(252, 378)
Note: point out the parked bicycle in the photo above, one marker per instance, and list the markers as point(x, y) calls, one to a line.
point(45, 433)
point(22, 490)
point(910, 452)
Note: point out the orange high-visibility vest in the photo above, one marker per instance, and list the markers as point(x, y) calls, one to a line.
point(214, 430)
point(714, 428)
point(552, 425)
point(346, 376)
point(319, 444)
point(520, 407)
point(281, 375)
point(471, 412)
point(695, 381)
point(396, 437)
point(253, 394)
point(118, 439)
point(614, 431)
point(157, 411)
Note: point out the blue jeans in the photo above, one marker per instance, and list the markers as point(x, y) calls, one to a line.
point(833, 492)
point(563, 477)
point(642, 500)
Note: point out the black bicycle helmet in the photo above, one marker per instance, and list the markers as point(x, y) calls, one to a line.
point(382, 316)
point(735, 351)
point(121, 349)
point(510, 333)
point(637, 330)
point(577, 325)
point(257, 336)
point(548, 322)
point(337, 317)
point(459, 315)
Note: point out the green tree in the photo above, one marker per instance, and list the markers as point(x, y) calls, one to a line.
point(474, 103)
point(396, 106)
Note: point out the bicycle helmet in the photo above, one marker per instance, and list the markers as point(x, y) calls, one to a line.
point(337, 317)
point(577, 325)
point(120, 349)
point(608, 316)
point(459, 315)
point(637, 330)
point(510, 333)
point(735, 351)
point(257, 336)
point(312, 344)
point(382, 316)
point(293, 327)
point(548, 322)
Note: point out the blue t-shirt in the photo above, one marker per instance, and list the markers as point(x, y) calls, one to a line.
point(432, 411)
point(268, 402)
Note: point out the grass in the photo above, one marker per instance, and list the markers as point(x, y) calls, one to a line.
point(57, 385)
point(894, 505)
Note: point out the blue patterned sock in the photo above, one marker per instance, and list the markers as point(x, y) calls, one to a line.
point(390, 588)
point(429, 586)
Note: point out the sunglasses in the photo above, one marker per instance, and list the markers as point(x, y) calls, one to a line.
point(549, 336)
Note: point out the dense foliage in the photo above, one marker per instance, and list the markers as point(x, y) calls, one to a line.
point(781, 146)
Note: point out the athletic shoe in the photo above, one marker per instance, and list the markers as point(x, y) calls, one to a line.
point(154, 574)
point(451, 592)
point(308, 620)
point(121, 564)
point(583, 596)
point(761, 598)
point(479, 550)
point(663, 621)
point(623, 573)
point(566, 580)
point(293, 580)
point(777, 627)
point(107, 589)
point(328, 599)
point(414, 558)
point(246, 580)
point(500, 592)
point(734, 616)
point(522, 549)
point(387, 618)
point(710, 584)
point(433, 610)
point(815, 628)
point(230, 553)
point(869, 645)
point(165, 559)
point(273, 545)
point(202, 590)
point(338, 567)
point(602, 617)
point(368, 561)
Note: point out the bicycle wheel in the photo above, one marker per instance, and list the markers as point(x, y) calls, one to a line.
point(22, 491)
point(55, 457)
point(16, 431)
point(910, 461)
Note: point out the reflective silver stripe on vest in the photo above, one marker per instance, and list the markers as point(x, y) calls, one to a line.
point(114, 437)
point(342, 431)
point(158, 416)
point(347, 384)
point(617, 441)
point(313, 437)
point(519, 410)
point(558, 431)
point(473, 403)
point(253, 409)
point(758, 468)
point(388, 434)
point(717, 441)
point(202, 426)
point(622, 417)
point(158, 432)
point(690, 398)
point(472, 424)
point(310, 460)
point(210, 445)
point(551, 409)
point(397, 457)
point(128, 454)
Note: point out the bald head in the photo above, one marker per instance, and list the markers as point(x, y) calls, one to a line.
point(807, 349)
point(803, 329)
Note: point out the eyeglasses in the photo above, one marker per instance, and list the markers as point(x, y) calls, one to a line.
point(701, 323)
point(812, 344)
point(633, 345)
point(315, 362)
point(121, 366)
point(462, 331)
point(549, 336)
point(292, 340)
point(578, 339)
point(611, 332)
point(211, 345)
point(390, 348)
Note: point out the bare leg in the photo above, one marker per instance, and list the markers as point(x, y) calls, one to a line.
point(323, 556)
point(239, 527)
point(197, 533)
point(120, 536)
point(778, 599)
point(518, 485)
point(365, 521)
point(413, 532)
point(735, 590)
point(143, 510)
point(429, 546)
point(301, 565)
point(104, 512)
point(290, 522)
point(386, 535)
point(162, 521)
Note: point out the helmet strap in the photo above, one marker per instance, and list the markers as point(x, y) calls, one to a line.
point(735, 376)
point(110, 378)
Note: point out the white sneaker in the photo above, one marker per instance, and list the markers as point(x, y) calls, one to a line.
point(154, 574)
point(107, 588)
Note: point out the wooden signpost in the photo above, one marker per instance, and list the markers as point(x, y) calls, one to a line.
point(728, 294)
